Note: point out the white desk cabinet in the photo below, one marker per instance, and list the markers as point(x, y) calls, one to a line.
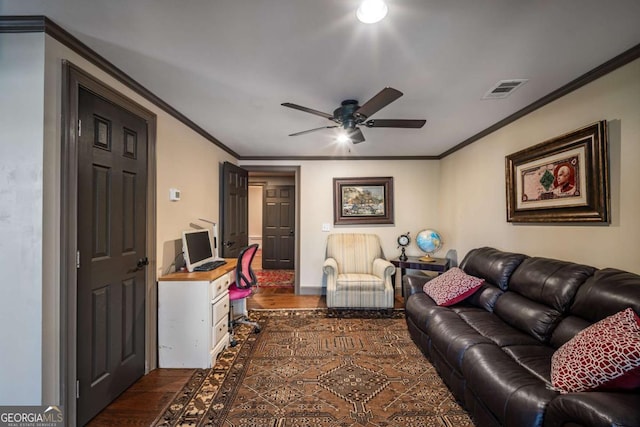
point(193, 312)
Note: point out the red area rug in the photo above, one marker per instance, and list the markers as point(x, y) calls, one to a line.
point(318, 368)
point(275, 278)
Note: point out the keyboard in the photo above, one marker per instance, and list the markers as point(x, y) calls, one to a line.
point(208, 266)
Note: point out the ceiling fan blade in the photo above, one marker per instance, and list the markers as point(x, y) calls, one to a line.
point(383, 98)
point(308, 110)
point(356, 136)
point(395, 123)
point(312, 130)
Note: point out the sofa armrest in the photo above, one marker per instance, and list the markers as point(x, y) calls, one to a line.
point(413, 283)
point(383, 268)
point(594, 409)
point(330, 268)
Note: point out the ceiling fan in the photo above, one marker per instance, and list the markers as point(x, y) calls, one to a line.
point(351, 116)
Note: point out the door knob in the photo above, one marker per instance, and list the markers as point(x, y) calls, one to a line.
point(228, 243)
point(142, 263)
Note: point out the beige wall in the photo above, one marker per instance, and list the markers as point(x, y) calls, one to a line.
point(463, 196)
point(185, 160)
point(416, 193)
point(472, 205)
point(255, 214)
point(190, 163)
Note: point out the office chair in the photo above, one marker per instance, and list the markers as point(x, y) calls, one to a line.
point(241, 289)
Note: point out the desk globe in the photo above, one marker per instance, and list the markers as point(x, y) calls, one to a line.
point(429, 241)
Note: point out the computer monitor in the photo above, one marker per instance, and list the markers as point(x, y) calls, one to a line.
point(196, 245)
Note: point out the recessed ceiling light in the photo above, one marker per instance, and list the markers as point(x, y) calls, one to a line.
point(371, 11)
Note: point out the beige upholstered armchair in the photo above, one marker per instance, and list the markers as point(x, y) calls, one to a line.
point(357, 274)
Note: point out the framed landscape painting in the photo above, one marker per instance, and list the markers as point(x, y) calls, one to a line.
point(565, 179)
point(363, 200)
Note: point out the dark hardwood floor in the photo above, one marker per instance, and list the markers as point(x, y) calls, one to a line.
point(141, 404)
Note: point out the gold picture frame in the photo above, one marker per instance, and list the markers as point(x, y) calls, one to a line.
point(564, 179)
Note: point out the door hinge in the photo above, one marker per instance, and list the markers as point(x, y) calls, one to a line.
point(77, 389)
point(77, 259)
point(79, 127)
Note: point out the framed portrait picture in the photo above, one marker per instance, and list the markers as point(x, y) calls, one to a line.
point(565, 179)
point(363, 200)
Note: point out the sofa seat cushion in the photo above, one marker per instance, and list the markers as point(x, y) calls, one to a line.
point(513, 395)
point(452, 286)
point(358, 282)
point(492, 327)
point(534, 358)
point(604, 355)
point(452, 337)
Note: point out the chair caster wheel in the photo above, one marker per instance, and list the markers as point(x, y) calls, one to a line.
point(256, 330)
point(233, 343)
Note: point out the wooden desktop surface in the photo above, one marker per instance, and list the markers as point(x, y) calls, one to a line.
point(197, 276)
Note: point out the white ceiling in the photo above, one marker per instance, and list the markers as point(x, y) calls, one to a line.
point(228, 64)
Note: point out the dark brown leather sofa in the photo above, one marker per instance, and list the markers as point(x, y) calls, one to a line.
point(494, 349)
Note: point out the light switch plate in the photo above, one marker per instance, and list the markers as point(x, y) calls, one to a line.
point(174, 194)
point(326, 226)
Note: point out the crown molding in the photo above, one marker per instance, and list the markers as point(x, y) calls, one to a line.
point(623, 59)
point(39, 24)
point(272, 158)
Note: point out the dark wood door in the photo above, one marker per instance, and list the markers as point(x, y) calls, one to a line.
point(278, 223)
point(112, 175)
point(234, 206)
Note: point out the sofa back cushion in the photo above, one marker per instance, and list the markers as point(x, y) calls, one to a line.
point(485, 297)
point(605, 293)
point(492, 265)
point(540, 293)
point(551, 282)
point(354, 252)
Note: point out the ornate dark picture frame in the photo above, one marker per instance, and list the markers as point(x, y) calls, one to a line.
point(564, 179)
point(363, 200)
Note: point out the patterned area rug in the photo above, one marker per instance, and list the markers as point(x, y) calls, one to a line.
point(318, 368)
point(275, 278)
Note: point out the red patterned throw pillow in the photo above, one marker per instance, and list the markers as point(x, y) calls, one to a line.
point(606, 355)
point(452, 286)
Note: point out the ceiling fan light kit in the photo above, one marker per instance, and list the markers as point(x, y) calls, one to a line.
point(371, 11)
point(350, 115)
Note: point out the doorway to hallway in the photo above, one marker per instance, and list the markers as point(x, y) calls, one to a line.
point(273, 222)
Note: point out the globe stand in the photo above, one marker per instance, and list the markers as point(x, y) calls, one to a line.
point(403, 256)
point(427, 258)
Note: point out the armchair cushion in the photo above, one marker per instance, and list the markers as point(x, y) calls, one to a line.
point(356, 273)
point(354, 252)
point(361, 282)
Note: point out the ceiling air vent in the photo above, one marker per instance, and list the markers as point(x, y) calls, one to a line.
point(504, 88)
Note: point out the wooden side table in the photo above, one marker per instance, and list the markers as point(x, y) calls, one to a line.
point(439, 265)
